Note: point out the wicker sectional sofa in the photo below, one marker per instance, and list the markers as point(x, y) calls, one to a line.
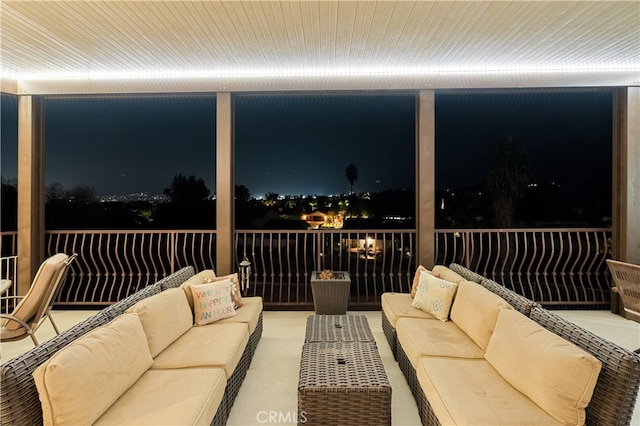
point(139, 361)
point(502, 359)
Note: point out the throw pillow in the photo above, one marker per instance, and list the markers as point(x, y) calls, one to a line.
point(434, 295)
point(212, 302)
point(236, 296)
point(416, 279)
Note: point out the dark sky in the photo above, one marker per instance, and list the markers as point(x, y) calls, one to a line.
point(301, 144)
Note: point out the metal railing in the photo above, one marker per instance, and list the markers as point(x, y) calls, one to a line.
point(550, 266)
point(562, 267)
point(8, 272)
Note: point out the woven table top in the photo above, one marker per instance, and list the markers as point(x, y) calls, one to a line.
point(342, 366)
point(338, 328)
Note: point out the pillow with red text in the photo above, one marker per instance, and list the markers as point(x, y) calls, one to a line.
point(212, 301)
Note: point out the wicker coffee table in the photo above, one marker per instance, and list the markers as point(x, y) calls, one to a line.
point(338, 328)
point(343, 383)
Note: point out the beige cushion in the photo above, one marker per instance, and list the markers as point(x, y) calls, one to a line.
point(419, 337)
point(555, 374)
point(198, 278)
point(434, 295)
point(446, 274)
point(165, 317)
point(214, 345)
point(471, 392)
point(212, 301)
point(249, 314)
point(475, 310)
point(397, 305)
point(80, 382)
point(169, 397)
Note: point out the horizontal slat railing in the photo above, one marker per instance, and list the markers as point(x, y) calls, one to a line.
point(562, 267)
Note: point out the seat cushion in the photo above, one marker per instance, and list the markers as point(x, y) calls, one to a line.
point(212, 345)
point(169, 397)
point(559, 376)
point(396, 305)
point(165, 317)
point(249, 313)
point(475, 310)
point(80, 382)
point(470, 392)
point(420, 337)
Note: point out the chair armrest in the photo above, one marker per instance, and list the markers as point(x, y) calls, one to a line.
point(18, 320)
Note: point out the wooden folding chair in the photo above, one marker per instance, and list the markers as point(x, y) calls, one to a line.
point(626, 278)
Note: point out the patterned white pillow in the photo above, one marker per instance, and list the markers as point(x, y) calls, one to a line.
point(212, 302)
point(434, 295)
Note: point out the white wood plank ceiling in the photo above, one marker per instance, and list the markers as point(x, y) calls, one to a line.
point(148, 45)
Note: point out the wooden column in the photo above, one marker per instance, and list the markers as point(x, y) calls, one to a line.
point(225, 224)
point(626, 175)
point(30, 189)
point(425, 178)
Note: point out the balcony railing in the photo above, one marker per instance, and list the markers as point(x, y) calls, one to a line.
point(563, 267)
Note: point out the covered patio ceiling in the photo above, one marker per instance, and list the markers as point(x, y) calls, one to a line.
point(222, 45)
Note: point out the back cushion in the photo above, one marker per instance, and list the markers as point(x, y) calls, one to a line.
point(200, 278)
point(80, 382)
point(446, 274)
point(475, 311)
point(164, 317)
point(552, 372)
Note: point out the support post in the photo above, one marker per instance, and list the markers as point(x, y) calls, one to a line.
point(30, 189)
point(626, 175)
point(425, 178)
point(225, 224)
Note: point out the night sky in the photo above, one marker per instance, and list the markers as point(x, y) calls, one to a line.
point(301, 144)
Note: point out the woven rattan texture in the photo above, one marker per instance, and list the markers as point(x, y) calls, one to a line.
point(331, 297)
point(390, 334)
point(177, 278)
point(616, 391)
point(465, 273)
point(518, 302)
point(409, 372)
point(343, 383)
point(338, 328)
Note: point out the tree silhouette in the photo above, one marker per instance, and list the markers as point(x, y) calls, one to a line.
point(185, 190)
point(351, 173)
point(242, 194)
point(189, 205)
point(508, 177)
